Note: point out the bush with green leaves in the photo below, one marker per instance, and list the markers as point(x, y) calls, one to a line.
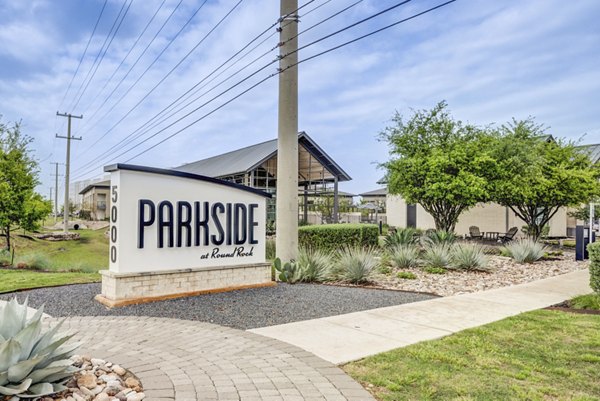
point(355, 264)
point(32, 363)
point(314, 265)
point(405, 256)
point(525, 250)
point(437, 255)
point(331, 237)
point(434, 270)
point(5, 258)
point(402, 236)
point(34, 261)
point(594, 254)
point(469, 257)
point(439, 237)
point(407, 275)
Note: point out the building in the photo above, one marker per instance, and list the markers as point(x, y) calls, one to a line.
point(256, 166)
point(95, 201)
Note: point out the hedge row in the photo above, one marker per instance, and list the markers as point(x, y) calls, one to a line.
point(331, 237)
point(594, 253)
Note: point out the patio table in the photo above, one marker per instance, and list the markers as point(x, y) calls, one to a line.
point(491, 235)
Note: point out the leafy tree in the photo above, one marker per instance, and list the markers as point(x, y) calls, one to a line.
point(537, 175)
point(20, 206)
point(439, 163)
point(583, 213)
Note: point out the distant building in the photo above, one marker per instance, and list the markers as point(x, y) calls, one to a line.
point(95, 200)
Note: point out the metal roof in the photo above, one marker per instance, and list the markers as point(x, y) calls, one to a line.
point(593, 151)
point(101, 184)
point(376, 192)
point(247, 159)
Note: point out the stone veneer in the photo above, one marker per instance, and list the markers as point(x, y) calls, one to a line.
point(120, 289)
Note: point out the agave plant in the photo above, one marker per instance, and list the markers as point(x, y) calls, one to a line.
point(434, 237)
point(402, 236)
point(468, 257)
point(437, 255)
point(356, 265)
point(525, 250)
point(32, 363)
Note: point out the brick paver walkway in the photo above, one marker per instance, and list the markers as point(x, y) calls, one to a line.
point(184, 360)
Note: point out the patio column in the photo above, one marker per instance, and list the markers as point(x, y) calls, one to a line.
point(336, 201)
point(305, 203)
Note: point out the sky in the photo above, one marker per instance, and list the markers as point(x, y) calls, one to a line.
point(491, 61)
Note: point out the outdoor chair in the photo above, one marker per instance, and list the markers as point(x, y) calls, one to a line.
point(474, 233)
point(504, 238)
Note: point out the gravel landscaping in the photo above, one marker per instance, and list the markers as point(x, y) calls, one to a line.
point(244, 309)
point(505, 272)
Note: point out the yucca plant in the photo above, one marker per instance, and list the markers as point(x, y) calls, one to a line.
point(468, 257)
point(525, 250)
point(402, 236)
point(437, 255)
point(439, 237)
point(356, 265)
point(314, 265)
point(405, 256)
point(32, 363)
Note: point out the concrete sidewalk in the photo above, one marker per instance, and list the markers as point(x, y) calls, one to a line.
point(344, 338)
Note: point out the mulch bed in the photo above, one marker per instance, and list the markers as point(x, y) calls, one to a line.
point(566, 307)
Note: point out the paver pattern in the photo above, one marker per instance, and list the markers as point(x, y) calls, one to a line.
point(185, 360)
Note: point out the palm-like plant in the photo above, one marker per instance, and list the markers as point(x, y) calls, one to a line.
point(32, 363)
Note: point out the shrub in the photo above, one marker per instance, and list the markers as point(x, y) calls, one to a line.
point(468, 257)
point(385, 270)
point(588, 301)
point(270, 250)
point(525, 250)
point(331, 237)
point(34, 261)
point(402, 236)
point(594, 253)
point(434, 270)
point(437, 255)
point(407, 275)
point(405, 256)
point(33, 363)
point(5, 258)
point(439, 237)
point(355, 264)
point(314, 265)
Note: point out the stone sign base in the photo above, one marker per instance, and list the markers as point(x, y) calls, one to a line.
point(120, 289)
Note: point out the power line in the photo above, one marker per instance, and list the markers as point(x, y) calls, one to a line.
point(103, 54)
point(131, 137)
point(150, 66)
point(267, 78)
point(139, 58)
point(84, 53)
point(123, 60)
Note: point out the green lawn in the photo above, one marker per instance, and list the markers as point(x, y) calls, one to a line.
point(89, 254)
point(12, 280)
point(540, 355)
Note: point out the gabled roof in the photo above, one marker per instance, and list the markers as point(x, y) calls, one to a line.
point(101, 184)
point(593, 151)
point(247, 159)
point(376, 192)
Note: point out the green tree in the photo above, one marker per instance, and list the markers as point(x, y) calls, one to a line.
point(20, 206)
point(439, 163)
point(537, 175)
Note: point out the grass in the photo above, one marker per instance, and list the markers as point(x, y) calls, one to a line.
point(89, 254)
point(540, 355)
point(12, 280)
point(589, 301)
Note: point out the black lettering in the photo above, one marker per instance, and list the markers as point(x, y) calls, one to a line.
point(240, 214)
point(181, 223)
point(162, 223)
point(217, 240)
point(201, 223)
point(113, 214)
point(142, 221)
point(113, 234)
point(228, 223)
point(252, 223)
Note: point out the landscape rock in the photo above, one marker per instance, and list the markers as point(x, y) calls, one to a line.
point(87, 380)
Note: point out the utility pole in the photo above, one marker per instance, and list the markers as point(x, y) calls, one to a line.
point(67, 165)
point(287, 143)
point(56, 175)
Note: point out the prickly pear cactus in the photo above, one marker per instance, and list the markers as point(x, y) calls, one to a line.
point(32, 363)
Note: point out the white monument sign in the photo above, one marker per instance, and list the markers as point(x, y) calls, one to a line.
point(175, 234)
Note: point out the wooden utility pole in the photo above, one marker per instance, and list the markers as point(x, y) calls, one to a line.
point(287, 143)
point(67, 165)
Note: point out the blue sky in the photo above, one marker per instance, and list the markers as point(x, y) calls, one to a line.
point(490, 60)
